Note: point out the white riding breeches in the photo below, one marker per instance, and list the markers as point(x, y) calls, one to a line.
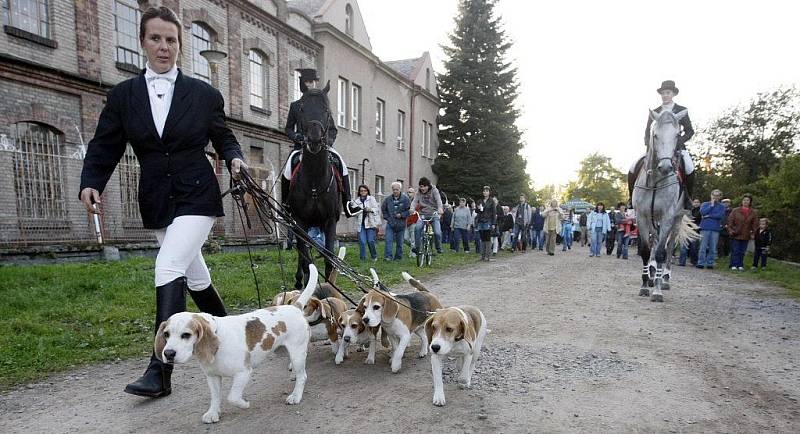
point(287, 167)
point(180, 253)
point(688, 164)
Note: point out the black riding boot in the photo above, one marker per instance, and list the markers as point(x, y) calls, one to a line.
point(688, 186)
point(209, 301)
point(155, 383)
point(284, 191)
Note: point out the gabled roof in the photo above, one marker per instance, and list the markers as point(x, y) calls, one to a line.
point(406, 67)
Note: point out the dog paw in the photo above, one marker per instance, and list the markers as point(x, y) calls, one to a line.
point(395, 368)
point(292, 399)
point(369, 361)
point(338, 360)
point(422, 354)
point(239, 402)
point(211, 416)
point(438, 399)
point(464, 384)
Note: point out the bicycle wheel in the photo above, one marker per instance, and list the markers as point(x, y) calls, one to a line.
point(421, 254)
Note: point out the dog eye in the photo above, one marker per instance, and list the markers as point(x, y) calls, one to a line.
point(354, 326)
point(166, 335)
point(449, 329)
point(186, 336)
point(376, 307)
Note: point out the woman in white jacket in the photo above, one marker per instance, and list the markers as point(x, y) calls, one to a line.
point(368, 222)
point(598, 225)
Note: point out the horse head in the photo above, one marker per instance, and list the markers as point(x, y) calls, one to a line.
point(315, 115)
point(664, 134)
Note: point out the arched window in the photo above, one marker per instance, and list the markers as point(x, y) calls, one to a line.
point(38, 173)
point(201, 40)
point(348, 19)
point(258, 80)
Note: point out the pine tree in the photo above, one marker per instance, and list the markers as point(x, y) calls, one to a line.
point(479, 143)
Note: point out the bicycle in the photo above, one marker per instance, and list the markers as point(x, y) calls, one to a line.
point(425, 253)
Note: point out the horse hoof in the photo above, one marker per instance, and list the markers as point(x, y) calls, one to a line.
point(644, 292)
point(657, 298)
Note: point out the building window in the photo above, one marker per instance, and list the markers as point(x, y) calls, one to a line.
point(342, 103)
point(355, 105)
point(258, 80)
point(354, 181)
point(256, 155)
point(428, 79)
point(297, 93)
point(38, 173)
point(379, 194)
point(28, 15)
point(401, 129)
point(126, 22)
point(201, 40)
point(380, 119)
point(348, 19)
point(427, 131)
point(128, 169)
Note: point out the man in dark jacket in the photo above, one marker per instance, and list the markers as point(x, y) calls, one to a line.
point(395, 210)
point(667, 92)
point(537, 228)
point(310, 80)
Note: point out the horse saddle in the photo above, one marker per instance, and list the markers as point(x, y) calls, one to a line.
point(680, 168)
point(296, 162)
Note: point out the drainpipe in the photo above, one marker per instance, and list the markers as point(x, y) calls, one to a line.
point(414, 93)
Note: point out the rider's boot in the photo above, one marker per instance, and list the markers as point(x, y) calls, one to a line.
point(285, 192)
point(155, 383)
point(209, 301)
point(688, 186)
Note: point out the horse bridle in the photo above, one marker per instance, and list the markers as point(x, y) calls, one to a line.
point(325, 126)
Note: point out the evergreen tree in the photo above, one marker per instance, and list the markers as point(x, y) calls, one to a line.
point(479, 143)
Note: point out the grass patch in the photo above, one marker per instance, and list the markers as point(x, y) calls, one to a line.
point(785, 275)
point(55, 317)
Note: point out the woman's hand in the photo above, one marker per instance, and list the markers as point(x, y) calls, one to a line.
point(88, 197)
point(237, 167)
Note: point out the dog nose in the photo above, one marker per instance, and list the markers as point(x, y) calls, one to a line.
point(366, 320)
point(169, 355)
point(435, 348)
point(347, 338)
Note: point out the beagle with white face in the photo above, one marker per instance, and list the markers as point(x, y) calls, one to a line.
point(354, 332)
point(400, 315)
point(321, 316)
point(232, 346)
point(456, 331)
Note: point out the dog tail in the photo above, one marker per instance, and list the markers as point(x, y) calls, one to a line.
point(335, 272)
point(687, 231)
point(313, 277)
point(414, 282)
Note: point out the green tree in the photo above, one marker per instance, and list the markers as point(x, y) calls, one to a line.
point(479, 143)
point(598, 181)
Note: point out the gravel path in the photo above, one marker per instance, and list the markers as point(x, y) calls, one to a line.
point(572, 348)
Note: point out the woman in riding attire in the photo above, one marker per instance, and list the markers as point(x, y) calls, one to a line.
point(310, 80)
point(667, 92)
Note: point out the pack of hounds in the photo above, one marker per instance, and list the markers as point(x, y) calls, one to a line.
point(233, 346)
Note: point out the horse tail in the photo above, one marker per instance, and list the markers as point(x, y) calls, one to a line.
point(687, 231)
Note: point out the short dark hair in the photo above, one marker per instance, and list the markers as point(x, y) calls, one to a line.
point(165, 14)
point(424, 181)
point(364, 186)
point(622, 204)
point(749, 196)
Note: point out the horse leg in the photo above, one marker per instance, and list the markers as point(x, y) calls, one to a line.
point(330, 242)
point(661, 258)
point(644, 252)
point(667, 269)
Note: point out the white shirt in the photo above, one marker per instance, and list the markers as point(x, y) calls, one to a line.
point(160, 88)
point(668, 107)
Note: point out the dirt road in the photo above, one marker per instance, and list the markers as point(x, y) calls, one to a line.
point(572, 348)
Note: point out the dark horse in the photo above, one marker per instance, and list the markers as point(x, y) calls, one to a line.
point(314, 191)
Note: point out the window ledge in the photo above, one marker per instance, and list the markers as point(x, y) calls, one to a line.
point(382, 142)
point(33, 37)
point(127, 67)
point(260, 110)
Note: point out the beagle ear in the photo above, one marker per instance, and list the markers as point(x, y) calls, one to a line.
point(429, 328)
point(390, 308)
point(207, 342)
point(160, 342)
point(361, 308)
point(467, 333)
point(325, 309)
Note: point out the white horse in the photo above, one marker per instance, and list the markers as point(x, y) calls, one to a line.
point(658, 200)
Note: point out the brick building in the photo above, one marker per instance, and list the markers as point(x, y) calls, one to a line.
point(58, 58)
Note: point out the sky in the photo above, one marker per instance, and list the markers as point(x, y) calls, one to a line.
point(588, 70)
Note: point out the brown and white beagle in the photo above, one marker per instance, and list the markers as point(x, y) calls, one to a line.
point(321, 316)
point(323, 290)
point(460, 331)
point(400, 315)
point(231, 346)
point(355, 332)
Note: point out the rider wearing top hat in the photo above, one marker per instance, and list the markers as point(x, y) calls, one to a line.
point(667, 92)
point(310, 80)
